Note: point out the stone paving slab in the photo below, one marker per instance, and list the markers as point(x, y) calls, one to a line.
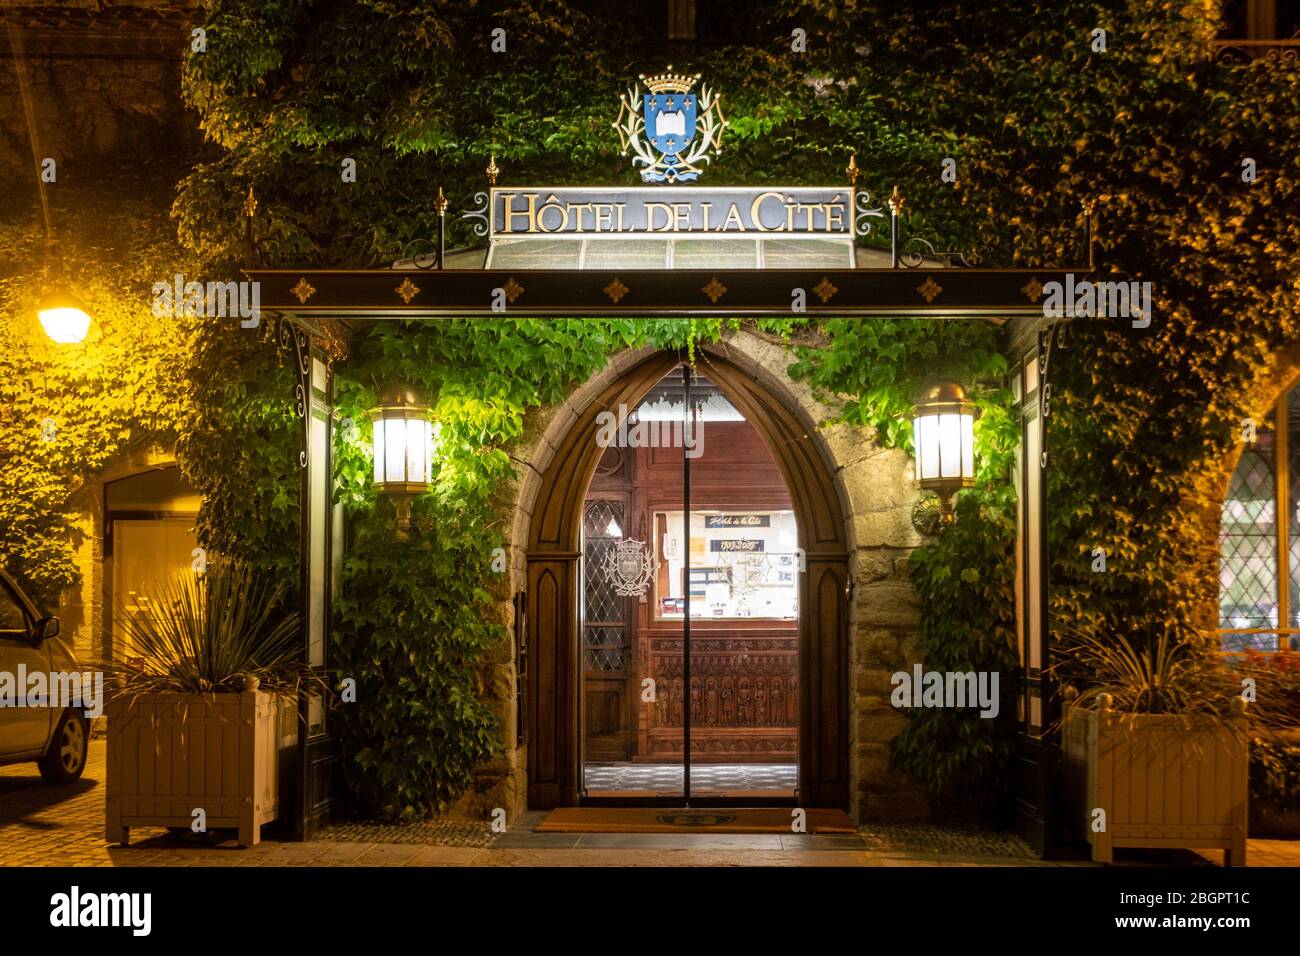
point(43, 825)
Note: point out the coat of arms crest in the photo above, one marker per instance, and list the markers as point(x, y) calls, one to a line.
point(629, 566)
point(670, 128)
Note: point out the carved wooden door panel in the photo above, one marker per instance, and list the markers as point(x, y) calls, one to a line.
point(743, 698)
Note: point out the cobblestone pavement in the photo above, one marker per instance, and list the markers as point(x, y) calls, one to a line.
point(43, 825)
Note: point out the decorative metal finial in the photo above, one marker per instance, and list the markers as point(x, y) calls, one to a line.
point(1089, 204)
point(250, 244)
point(896, 202)
point(852, 170)
point(492, 170)
point(441, 203)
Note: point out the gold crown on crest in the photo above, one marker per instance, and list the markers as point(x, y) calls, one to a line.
point(669, 82)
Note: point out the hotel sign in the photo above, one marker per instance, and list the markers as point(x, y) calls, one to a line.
point(737, 521)
point(671, 210)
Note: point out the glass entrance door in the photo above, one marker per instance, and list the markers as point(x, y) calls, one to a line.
point(690, 681)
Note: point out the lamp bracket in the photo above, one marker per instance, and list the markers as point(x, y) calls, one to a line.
point(294, 338)
point(926, 515)
point(1050, 337)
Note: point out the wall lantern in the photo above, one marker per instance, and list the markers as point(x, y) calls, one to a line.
point(943, 431)
point(63, 317)
point(403, 445)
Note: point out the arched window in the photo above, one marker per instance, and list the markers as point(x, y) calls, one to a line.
point(1259, 538)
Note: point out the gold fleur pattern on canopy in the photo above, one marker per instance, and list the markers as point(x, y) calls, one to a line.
point(408, 290)
point(616, 290)
point(715, 290)
point(304, 290)
point(824, 290)
point(1033, 289)
point(929, 289)
point(512, 289)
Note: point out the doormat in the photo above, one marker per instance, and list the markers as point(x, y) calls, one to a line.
point(661, 820)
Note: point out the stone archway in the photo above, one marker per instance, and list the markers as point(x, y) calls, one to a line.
point(85, 607)
point(552, 573)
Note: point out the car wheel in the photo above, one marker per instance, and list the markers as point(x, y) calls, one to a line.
point(66, 758)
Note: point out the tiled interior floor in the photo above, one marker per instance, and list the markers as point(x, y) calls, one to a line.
point(705, 777)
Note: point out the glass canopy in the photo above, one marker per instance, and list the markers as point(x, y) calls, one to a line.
point(671, 253)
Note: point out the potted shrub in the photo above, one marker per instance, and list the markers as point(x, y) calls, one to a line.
point(1155, 743)
point(201, 712)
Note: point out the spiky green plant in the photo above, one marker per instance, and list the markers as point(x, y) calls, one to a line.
point(1161, 676)
point(211, 633)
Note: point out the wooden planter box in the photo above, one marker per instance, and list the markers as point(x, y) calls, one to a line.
point(1163, 780)
point(170, 754)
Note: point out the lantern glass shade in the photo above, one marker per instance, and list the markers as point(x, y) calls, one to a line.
point(945, 446)
point(403, 443)
point(943, 431)
point(63, 317)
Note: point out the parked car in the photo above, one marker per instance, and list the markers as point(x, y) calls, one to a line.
point(55, 738)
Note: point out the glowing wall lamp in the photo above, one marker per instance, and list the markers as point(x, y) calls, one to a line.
point(943, 431)
point(63, 316)
point(403, 445)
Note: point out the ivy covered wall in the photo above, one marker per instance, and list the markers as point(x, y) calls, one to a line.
point(67, 412)
point(1153, 127)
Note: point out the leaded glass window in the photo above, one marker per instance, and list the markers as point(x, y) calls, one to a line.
point(1259, 538)
point(604, 633)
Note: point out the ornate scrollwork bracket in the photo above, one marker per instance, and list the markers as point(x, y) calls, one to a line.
point(297, 343)
point(1049, 339)
point(482, 213)
point(419, 253)
point(416, 254)
point(864, 212)
point(916, 250)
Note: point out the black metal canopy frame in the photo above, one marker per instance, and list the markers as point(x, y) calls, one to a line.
point(493, 293)
point(921, 282)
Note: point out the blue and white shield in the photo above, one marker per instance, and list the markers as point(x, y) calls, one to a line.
point(670, 122)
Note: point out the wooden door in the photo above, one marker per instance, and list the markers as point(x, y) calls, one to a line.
point(607, 658)
point(607, 628)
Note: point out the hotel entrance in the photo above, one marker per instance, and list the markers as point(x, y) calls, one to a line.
point(690, 605)
point(681, 611)
point(720, 674)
